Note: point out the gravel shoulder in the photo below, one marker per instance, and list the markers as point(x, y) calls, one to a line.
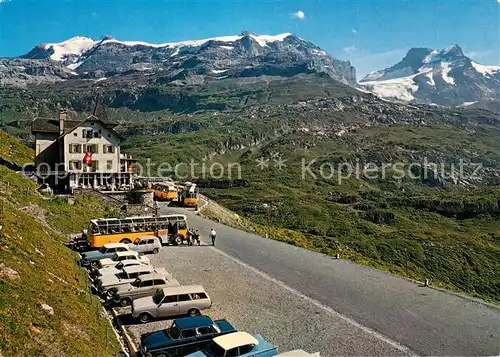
point(258, 305)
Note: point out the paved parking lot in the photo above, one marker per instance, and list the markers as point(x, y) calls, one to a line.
point(256, 304)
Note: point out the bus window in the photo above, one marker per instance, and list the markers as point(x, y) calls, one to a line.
point(182, 224)
point(126, 225)
point(103, 228)
point(138, 225)
point(113, 228)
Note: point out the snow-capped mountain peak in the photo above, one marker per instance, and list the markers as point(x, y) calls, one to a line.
point(73, 46)
point(243, 55)
point(444, 77)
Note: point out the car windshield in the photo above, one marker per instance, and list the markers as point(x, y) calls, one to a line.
point(115, 257)
point(102, 250)
point(136, 282)
point(158, 296)
point(119, 265)
point(174, 333)
point(214, 350)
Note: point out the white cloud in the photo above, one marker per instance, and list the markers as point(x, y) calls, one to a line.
point(299, 15)
point(2, 1)
point(356, 31)
point(350, 49)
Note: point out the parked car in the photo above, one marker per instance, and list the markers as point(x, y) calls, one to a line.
point(108, 284)
point(117, 268)
point(146, 244)
point(145, 285)
point(108, 250)
point(185, 335)
point(119, 256)
point(171, 301)
point(298, 353)
point(238, 344)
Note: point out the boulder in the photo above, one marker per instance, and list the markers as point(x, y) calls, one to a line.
point(48, 309)
point(8, 273)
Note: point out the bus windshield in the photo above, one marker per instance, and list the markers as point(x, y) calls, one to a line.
point(93, 229)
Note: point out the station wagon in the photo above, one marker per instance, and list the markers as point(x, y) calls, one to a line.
point(109, 283)
point(145, 285)
point(171, 301)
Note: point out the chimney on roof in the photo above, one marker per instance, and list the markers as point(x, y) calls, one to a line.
point(62, 118)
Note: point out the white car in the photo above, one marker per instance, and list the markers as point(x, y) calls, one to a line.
point(117, 268)
point(146, 244)
point(108, 284)
point(122, 256)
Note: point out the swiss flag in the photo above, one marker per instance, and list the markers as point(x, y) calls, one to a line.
point(87, 159)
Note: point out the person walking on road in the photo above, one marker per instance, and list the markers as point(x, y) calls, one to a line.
point(213, 235)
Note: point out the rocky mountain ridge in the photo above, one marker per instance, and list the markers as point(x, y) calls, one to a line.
point(245, 55)
point(446, 77)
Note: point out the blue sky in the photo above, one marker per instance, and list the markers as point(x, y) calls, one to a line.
point(371, 34)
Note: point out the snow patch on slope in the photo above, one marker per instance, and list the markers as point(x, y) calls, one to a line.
point(318, 52)
point(466, 104)
point(486, 70)
point(430, 75)
point(431, 57)
point(73, 46)
point(403, 72)
point(445, 66)
point(398, 88)
point(262, 40)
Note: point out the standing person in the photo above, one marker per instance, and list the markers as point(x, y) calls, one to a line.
point(197, 236)
point(190, 236)
point(213, 235)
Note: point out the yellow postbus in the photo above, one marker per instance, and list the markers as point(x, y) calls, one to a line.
point(165, 192)
point(190, 195)
point(171, 229)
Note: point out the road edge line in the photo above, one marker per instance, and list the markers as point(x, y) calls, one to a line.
point(345, 318)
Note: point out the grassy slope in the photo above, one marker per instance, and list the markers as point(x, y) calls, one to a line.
point(421, 243)
point(31, 242)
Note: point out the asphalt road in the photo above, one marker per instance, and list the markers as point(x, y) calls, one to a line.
point(394, 310)
point(259, 306)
